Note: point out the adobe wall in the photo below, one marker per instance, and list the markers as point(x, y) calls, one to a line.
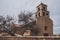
point(30, 38)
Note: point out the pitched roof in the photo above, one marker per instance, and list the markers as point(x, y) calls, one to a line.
point(41, 4)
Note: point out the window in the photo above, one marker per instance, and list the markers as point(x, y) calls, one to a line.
point(45, 34)
point(43, 13)
point(44, 8)
point(45, 27)
point(46, 13)
point(38, 8)
point(39, 14)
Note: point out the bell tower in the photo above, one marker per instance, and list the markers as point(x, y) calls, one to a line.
point(43, 21)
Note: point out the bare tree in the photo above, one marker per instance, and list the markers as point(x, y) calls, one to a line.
point(9, 21)
point(5, 26)
point(1, 22)
point(28, 22)
point(25, 17)
point(9, 18)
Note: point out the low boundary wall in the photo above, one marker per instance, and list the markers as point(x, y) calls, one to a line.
point(30, 38)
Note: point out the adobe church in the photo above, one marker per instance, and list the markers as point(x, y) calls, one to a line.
point(43, 22)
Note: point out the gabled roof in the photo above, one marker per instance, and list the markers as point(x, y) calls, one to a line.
point(41, 4)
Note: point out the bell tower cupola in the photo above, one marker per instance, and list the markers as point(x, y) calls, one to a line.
point(42, 10)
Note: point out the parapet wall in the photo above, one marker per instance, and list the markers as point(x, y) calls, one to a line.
point(30, 38)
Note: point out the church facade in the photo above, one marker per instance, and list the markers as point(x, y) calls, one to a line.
point(45, 24)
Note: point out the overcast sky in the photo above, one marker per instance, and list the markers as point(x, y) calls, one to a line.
point(14, 7)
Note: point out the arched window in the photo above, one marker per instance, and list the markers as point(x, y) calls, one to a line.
point(39, 14)
point(44, 8)
point(43, 13)
point(38, 9)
